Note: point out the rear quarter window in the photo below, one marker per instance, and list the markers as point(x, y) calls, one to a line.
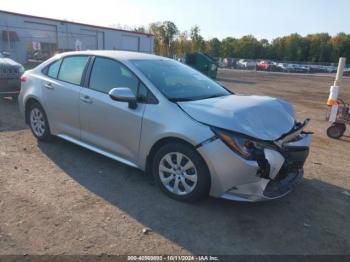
point(52, 70)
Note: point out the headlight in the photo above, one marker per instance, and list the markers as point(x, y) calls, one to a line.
point(245, 147)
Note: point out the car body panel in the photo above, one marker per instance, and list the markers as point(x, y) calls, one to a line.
point(261, 117)
point(166, 125)
point(110, 125)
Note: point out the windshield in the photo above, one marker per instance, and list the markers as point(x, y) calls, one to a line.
point(179, 82)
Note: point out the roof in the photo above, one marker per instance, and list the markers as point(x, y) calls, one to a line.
point(120, 55)
point(76, 23)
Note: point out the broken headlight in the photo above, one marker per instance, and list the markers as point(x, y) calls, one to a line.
point(245, 147)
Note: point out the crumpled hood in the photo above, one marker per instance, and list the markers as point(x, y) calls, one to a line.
point(262, 117)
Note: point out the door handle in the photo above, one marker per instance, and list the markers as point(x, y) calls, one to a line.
point(49, 86)
point(86, 99)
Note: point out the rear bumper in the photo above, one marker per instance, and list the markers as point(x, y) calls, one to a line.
point(235, 178)
point(9, 86)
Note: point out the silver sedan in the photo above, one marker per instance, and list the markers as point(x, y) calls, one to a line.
point(195, 137)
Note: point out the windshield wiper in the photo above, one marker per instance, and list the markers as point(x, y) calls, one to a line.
point(181, 99)
point(213, 96)
point(186, 99)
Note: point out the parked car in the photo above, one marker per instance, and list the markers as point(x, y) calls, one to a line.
point(193, 135)
point(296, 68)
point(315, 69)
point(266, 65)
point(331, 69)
point(283, 67)
point(246, 64)
point(346, 72)
point(10, 73)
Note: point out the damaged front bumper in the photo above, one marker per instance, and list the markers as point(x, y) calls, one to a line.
point(275, 175)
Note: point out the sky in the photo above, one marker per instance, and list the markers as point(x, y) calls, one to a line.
point(221, 18)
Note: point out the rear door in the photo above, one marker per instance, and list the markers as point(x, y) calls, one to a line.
point(61, 89)
point(111, 125)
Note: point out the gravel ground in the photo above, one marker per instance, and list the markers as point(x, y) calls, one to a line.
point(58, 198)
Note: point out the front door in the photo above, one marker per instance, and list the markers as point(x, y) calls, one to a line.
point(106, 124)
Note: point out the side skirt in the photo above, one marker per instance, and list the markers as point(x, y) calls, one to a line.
point(99, 151)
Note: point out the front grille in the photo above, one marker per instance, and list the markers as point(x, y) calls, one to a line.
point(295, 158)
point(9, 72)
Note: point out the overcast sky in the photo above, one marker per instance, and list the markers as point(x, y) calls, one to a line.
point(220, 18)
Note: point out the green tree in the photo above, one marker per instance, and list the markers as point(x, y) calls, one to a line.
point(228, 47)
point(156, 30)
point(168, 35)
point(164, 34)
point(341, 46)
point(213, 47)
point(295, 48)
point(249, 47)
point(198, 43)
point(183, 44)
point(319, 47)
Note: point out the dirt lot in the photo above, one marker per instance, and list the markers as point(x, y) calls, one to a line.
point(59, 198)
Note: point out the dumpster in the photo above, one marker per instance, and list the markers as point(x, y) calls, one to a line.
point(203, 63)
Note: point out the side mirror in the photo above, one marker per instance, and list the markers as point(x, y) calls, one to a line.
point(123, 94)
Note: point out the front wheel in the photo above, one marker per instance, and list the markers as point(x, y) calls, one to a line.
point(181, 172)
point(38, 123)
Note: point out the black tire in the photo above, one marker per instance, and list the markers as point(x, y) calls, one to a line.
point(201, 189)
point(336, 130)
point(46, 134)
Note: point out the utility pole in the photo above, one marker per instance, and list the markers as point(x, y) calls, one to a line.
point(335, 88)
point(334, 91)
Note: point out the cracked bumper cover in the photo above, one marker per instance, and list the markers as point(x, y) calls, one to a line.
point(235, 178)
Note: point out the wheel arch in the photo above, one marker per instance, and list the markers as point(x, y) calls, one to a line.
point(166, 140)
point(30, 101)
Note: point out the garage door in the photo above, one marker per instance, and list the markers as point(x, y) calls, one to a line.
point(41, 32)
point(130, 43)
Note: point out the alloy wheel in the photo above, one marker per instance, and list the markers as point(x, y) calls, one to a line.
point(178, 173)
point(37, 122)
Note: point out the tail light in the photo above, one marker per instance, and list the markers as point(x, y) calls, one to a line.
point(23, 79)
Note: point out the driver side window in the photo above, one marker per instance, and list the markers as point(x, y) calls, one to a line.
point(107, 74)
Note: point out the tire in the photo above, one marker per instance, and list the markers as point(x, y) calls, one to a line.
point(336, 130)
point(38, 123)
point(178, 163)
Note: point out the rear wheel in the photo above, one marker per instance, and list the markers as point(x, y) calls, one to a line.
point(336, 130)
point(38, 123)
point(181, 172)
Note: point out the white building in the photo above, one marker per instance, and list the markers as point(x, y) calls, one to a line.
point(33, 38)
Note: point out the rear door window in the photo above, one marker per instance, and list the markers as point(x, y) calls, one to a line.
point(72, 69)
